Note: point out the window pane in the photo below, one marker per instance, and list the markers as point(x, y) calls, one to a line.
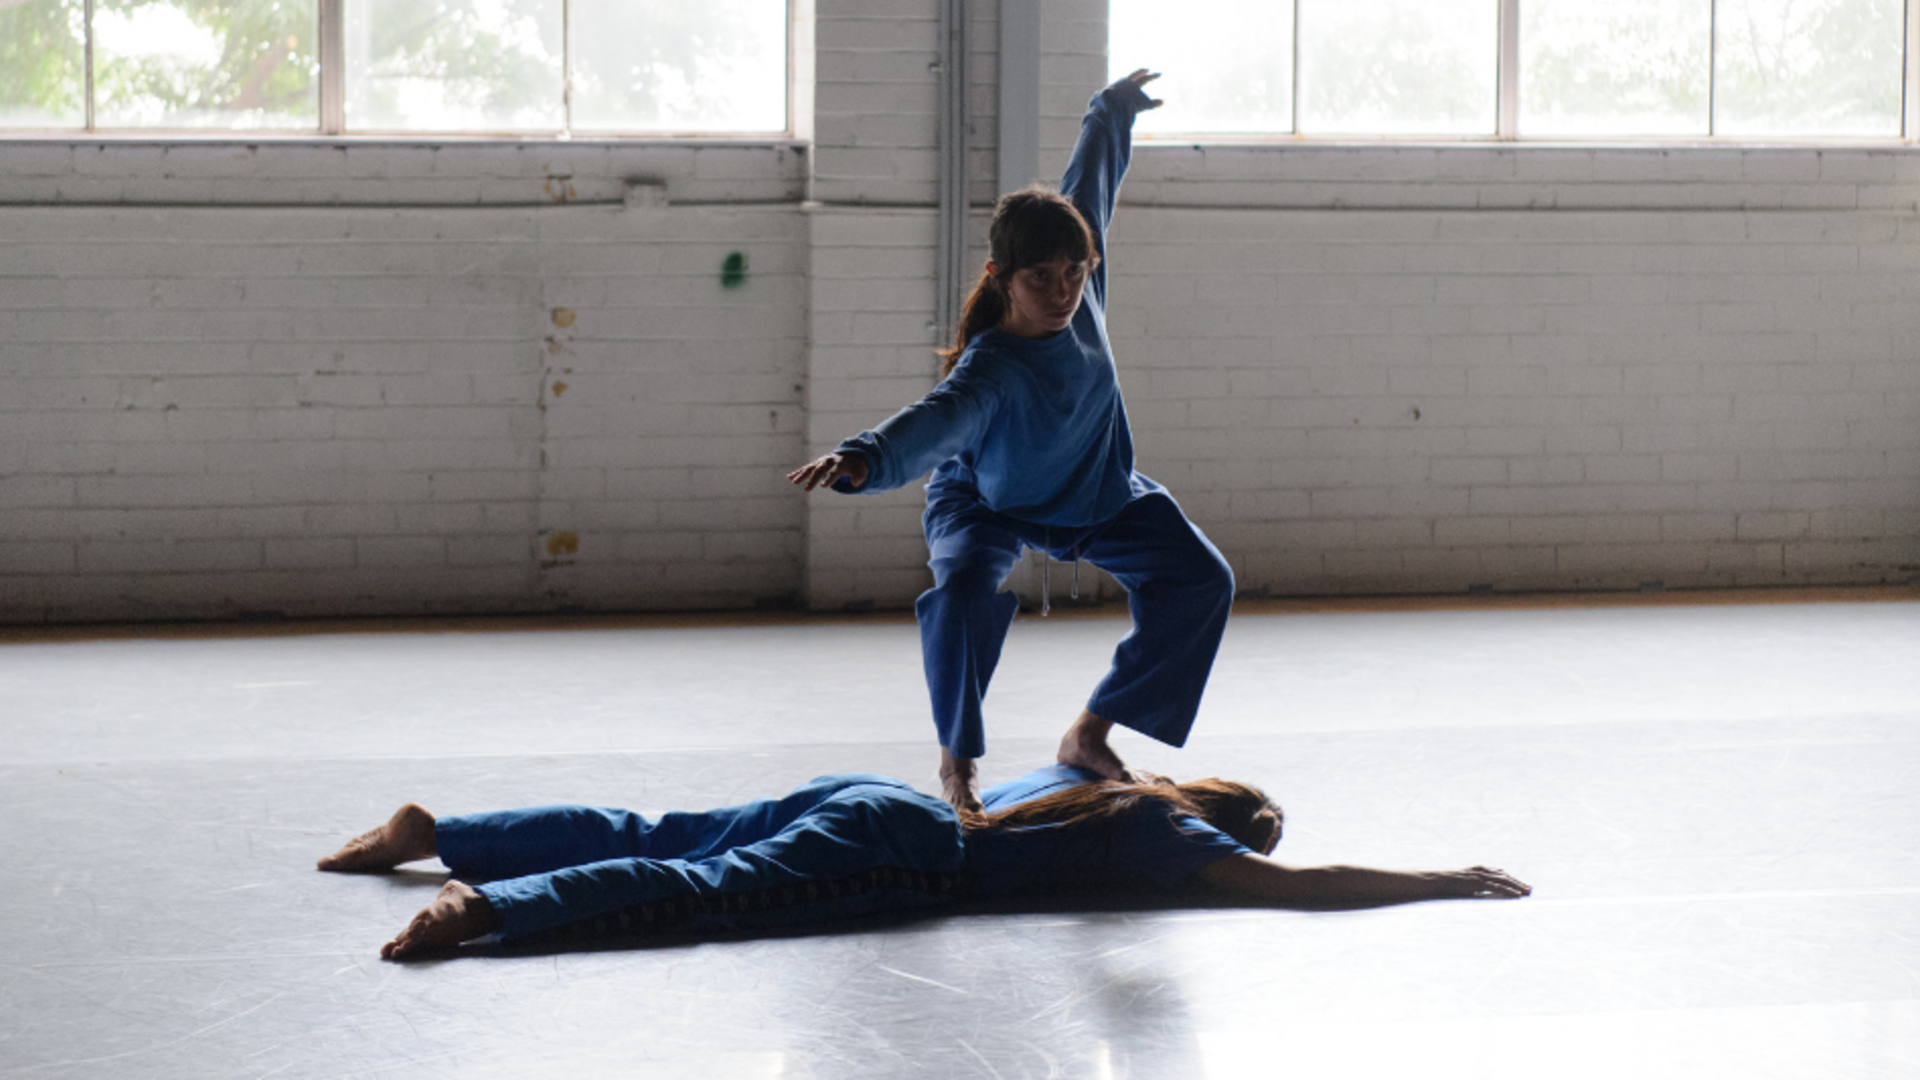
point(206, 64)
point(1399, 67)
point(680, 65)
point(1624, 67)
point(1808, 67)
point(456, 65)
point(1228, 63)
point(42, 64)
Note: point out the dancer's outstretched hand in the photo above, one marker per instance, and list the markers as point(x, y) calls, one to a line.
point(822, 472)
point(1480, 881)
point(1139, 80)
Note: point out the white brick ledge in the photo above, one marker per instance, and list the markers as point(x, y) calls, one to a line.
point(1523, 177)
point(41, 172)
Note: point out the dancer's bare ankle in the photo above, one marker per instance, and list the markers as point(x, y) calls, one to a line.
point(458, 914)
point(959, 782)
point(1085, 746)
point(404, 837)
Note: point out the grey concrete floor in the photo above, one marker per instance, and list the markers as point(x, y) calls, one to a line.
point(1718, 806)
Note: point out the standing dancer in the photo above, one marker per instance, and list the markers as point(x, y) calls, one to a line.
point(1028, 442)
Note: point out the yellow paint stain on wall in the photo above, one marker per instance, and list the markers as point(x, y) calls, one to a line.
point(563, 543)
point(559, 388)
point(563, 317)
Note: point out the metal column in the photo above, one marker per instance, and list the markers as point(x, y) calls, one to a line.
point(950, 273)
point(1019, 104)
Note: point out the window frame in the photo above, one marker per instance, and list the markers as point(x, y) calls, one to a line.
point(330, 18)
point(1507, 104)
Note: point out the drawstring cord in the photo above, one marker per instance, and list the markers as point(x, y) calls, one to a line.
point(1046, 577)
point(1046, 565)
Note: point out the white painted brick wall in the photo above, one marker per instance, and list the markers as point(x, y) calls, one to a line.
point(334, 411)
point(871, 353)
point(875, 98)
point(333, 378)
point(1626, 418)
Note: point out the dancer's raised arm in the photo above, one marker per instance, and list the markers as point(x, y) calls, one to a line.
point(1100, 158)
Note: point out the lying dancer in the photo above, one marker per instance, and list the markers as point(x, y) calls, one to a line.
point(854, 844)
point(1029, 446)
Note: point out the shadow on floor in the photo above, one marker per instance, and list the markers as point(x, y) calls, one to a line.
point(1065, 903)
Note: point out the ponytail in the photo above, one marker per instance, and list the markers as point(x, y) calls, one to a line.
point(986, 306)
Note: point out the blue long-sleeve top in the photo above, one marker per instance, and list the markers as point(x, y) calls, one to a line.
point(1146, 846)
point(1033, 427)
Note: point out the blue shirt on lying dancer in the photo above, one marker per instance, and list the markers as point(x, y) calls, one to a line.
point(1032, 427)
point(1146, 845)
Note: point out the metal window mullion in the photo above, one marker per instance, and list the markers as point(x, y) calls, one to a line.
point(333, 67)
point(566, 69)
point(1910, 102)
point(800, 76)
point(1295, 74)
point(89, 64)
point(1507, 110)
point(1713, 65)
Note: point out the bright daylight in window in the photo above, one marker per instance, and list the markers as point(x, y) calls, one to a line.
point(471, 66)
point(1752, 69)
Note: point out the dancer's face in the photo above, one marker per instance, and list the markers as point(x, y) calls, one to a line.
point(1042, 298)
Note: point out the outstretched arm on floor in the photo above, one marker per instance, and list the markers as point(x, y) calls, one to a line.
point(1263, 880)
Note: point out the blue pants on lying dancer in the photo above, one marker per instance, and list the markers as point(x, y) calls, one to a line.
point(1179, 591)
point(843, 845)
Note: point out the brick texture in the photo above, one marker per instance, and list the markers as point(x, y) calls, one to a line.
point(460, 376)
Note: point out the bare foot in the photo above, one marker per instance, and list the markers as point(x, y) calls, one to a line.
point(407, 835)
point(458, 914)
point(959, 783)
point(1085, 746)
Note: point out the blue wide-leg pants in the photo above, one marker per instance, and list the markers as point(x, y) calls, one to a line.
point(1179, 590)
point(842, 845)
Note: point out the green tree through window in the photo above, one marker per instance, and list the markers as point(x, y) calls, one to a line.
point(205, 64)
point(43, 78)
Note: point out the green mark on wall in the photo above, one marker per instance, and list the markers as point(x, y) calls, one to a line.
point(733, 270)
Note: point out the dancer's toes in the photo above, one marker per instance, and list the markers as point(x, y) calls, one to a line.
point(406, 836)
point(458, 914)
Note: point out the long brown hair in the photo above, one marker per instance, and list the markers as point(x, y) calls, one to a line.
point(1033, 225)
point(1227, 805)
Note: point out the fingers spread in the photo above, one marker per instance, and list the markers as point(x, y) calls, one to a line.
point(809, 477)
point(1499, 882)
